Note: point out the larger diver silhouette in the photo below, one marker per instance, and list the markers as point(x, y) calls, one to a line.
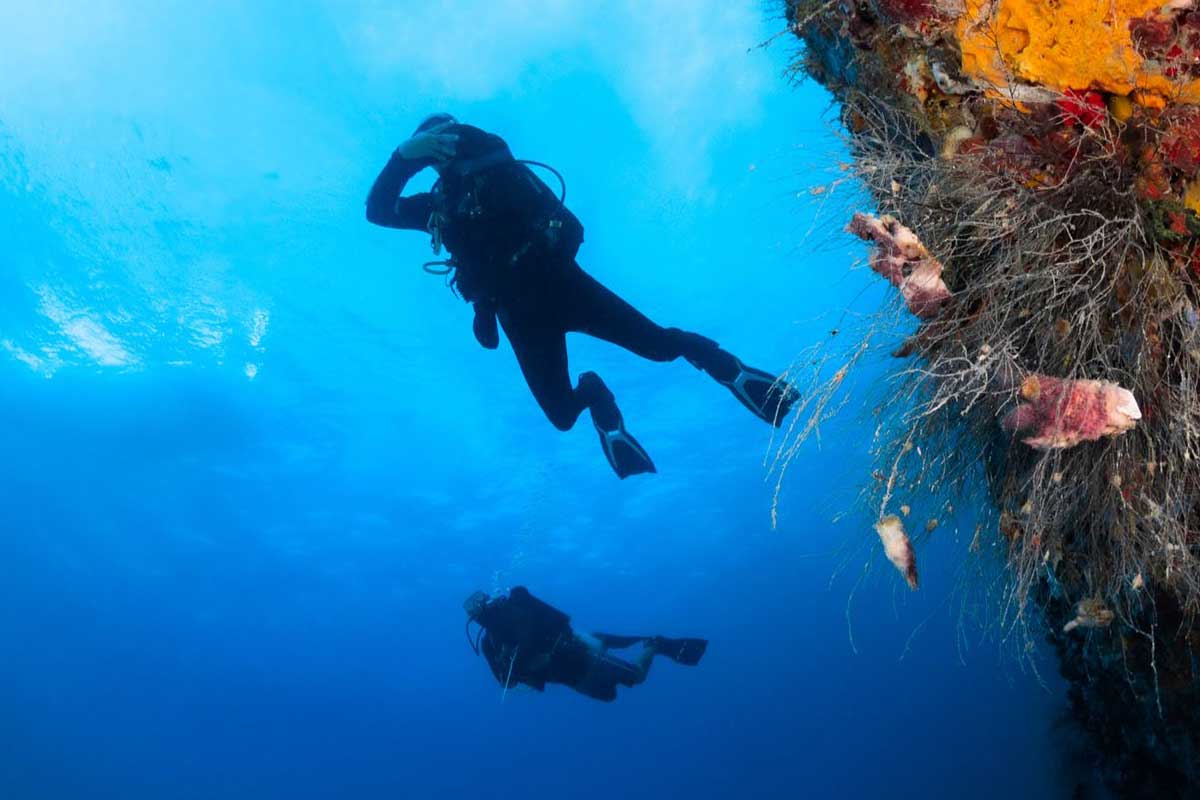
point(512, 243)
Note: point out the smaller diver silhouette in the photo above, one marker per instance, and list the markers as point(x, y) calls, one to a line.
point(526, 641)
point(512, 243)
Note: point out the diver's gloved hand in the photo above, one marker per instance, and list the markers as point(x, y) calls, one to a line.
point(485, 326)
point(434, 144)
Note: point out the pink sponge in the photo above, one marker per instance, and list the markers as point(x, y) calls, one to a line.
point(901, 258)
point(1058, 413)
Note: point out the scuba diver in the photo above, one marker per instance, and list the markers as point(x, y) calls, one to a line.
point(512, 244)
point(528, 641)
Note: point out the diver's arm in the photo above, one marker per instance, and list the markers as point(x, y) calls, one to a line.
point(386, 207)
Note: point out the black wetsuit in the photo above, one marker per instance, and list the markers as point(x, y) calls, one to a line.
point(527, 641)
point(537, 301)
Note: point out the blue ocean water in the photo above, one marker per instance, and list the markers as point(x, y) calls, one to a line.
point(254, 460)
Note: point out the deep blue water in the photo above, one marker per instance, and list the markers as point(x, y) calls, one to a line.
point(254, 461)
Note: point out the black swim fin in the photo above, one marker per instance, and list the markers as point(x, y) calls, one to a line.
point(623, 452)
point(768, 397)
point(682, 651)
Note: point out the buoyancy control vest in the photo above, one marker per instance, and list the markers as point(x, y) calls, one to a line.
point(497, 217)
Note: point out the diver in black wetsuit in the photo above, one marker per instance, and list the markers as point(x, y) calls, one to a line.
point(513, 245)
point(528, 641)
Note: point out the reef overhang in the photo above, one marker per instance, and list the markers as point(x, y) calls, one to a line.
point(1035, 167)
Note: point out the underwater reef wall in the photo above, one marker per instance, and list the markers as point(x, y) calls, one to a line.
point(1035, 167)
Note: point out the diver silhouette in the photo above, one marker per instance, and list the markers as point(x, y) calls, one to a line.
point(512, 243)
point(527, 641)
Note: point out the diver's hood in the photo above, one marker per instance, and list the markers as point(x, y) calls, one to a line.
point(475, 603)
point(477, 150)
point(439, 118)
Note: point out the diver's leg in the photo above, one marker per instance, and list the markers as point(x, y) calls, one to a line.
point(541, 350)
point(595, 310)
point(613, 641)
point(542, 355)
point(646, 659)
point(605, 673)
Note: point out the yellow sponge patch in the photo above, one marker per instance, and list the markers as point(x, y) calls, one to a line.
point(1064, 44)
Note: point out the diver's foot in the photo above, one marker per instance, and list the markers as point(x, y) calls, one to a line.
point(704, 353)
point(623, 452)
point(768, 397)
